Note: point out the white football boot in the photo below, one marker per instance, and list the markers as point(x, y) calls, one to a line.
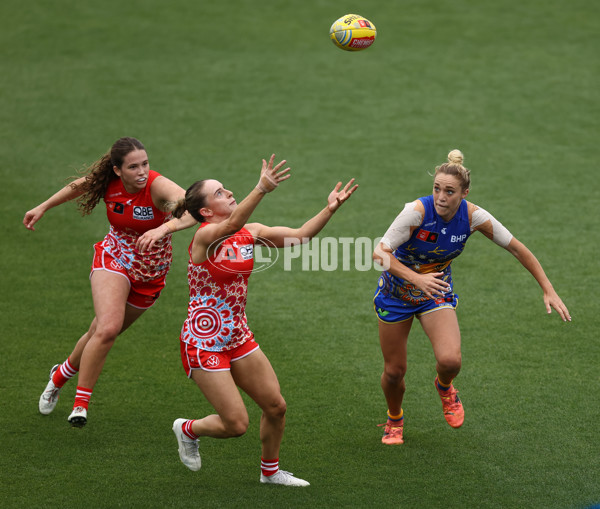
point(78, 417)
point(284, 478)
point(49, 397)
point(188, 448)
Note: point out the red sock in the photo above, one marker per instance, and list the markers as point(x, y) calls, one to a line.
point(186, 427)
point(82, 398)
point(64, 373)
point(269, 467)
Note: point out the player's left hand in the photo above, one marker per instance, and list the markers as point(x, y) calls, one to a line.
point(552, 300)
point(337, 197)
point(151, 237)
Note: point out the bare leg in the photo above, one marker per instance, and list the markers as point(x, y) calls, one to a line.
point(441, 327)
point(256, 377)
point(131, 315)
point(393, 339)
point(443, 331)
point(221, 392)
point(109, 291)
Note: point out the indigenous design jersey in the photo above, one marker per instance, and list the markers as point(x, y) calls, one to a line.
point(431, 248)
point(216, 318)
point(131, 215)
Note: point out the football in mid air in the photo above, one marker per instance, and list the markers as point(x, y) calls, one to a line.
point(352, 32)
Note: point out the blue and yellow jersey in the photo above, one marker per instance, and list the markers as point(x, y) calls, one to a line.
point(431, 248)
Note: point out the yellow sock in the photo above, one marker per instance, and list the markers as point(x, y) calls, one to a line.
point(396, 417)
point(442, 384)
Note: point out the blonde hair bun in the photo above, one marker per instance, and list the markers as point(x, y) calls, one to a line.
point(456, 156)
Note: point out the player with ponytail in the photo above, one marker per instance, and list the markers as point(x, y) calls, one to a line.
point(218, 349)
point(129, 265)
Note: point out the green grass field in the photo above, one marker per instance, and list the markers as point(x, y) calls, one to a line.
point(211, 89)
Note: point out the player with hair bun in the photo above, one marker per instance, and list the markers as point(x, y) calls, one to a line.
point(417, 251)
point(129, 265)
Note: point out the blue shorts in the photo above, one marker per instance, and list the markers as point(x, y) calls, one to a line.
point(392, 310)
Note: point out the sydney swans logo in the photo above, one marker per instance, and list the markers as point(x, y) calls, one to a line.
point(235, 257)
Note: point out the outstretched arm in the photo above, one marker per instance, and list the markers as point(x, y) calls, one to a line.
point(208, 239)
point(531, 263)
point(484, 222)
point(282, 236)
point(67, 193)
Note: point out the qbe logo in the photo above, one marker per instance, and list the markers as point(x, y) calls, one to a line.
point(143, 213)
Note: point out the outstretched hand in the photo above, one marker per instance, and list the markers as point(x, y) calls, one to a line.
point(32, 216)
point(337, 197)
point(270, 176)
point(552, 300)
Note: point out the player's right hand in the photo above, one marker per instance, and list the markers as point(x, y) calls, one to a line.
point(31, 217)
point(431, 284)
point(270, 176)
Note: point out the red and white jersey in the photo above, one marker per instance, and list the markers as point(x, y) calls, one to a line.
point(218, 289)
point(131, 215)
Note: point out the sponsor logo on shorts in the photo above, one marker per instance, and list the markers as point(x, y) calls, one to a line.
point(143, 213)
point(213, 361)
point(382, 312)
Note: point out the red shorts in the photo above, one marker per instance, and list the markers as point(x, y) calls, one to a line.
point(142, 294)
point(193, 357)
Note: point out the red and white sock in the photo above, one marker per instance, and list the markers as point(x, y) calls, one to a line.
point(82, 397)
point(269, 467)
point(63, 374)
point(186, 427)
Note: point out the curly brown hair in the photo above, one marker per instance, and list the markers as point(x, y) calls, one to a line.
point(100, 174)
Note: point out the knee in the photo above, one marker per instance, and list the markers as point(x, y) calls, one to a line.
point(450, 364)
point(106, 334)
point(394, 374)
point(236, 427)
point(276, 409)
